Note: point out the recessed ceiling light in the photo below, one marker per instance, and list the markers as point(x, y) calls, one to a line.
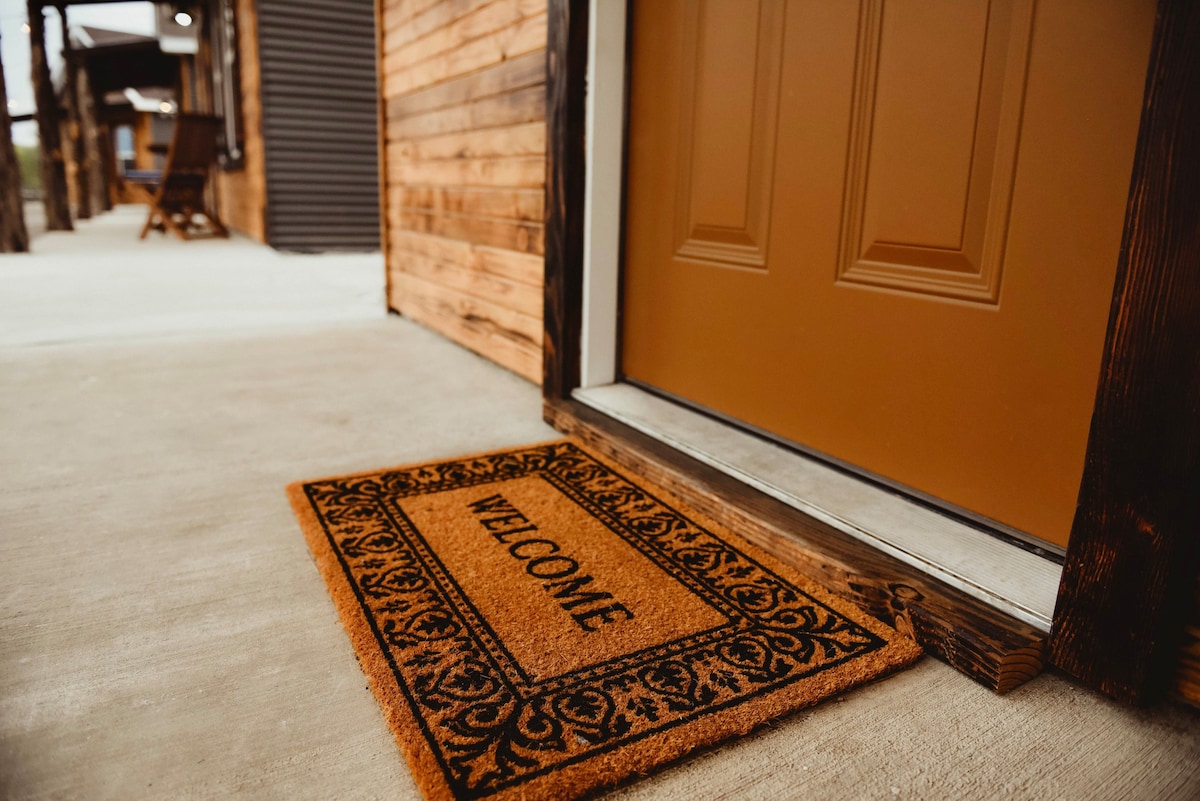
point(183, 18)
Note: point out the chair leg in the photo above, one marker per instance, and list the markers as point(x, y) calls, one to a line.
point(218, 228)
point(149, 223)
point(170, 225)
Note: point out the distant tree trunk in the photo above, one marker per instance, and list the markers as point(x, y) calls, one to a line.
point(54, 171)
point(83, 167)
point(14, 236)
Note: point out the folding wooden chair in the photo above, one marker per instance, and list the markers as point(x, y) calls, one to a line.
point(178, 196)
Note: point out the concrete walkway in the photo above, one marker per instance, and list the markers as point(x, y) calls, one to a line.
point(164, 634)
point(102, 282)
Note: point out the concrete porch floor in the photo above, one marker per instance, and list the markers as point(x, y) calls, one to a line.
point(164, 634)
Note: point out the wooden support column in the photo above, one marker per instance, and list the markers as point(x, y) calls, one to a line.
point(1131, 564)
point(14, 236)
point(83, 189)
point(106, 152)
point(90, 131)
point(54, 171)
point(566, 71)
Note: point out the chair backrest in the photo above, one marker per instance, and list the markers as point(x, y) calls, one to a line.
point(194, 146)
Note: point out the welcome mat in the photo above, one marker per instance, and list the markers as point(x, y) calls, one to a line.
point(536, 624)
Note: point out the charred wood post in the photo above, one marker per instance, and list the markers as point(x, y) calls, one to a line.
point(90, 130)
point(54, 171)
point(106, 154)
point(14, 236)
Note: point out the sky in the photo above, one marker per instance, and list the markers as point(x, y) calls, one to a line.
point(134, 17)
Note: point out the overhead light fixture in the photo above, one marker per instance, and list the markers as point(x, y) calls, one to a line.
point(165, 107)
point(177, 26)
point(25, 28)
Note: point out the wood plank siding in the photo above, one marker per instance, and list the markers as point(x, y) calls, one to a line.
point(464, 141)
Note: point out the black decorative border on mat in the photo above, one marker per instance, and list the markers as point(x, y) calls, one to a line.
point(488, 725)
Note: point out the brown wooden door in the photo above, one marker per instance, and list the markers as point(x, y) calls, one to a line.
point(887, 231)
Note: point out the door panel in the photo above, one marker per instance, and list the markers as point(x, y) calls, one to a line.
point(728, 111)
point(887, 231)
point(933, 143)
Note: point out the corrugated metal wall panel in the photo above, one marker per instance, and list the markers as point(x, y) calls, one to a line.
point(320, 118)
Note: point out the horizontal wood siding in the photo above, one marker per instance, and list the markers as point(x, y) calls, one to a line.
point(464, 107)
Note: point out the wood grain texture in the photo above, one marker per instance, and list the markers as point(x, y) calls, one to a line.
point(507, 76)
point(463, 86)
point(996, 650)
point(523, 298)
point(410, 20)
point(506, 234)
point(1186, 683)
point(52, 165)
point(527, 139)
point(1132, 560)
point(105, 181)
point(566, 158)
point(517, 106)
point(510, 204)
point(399, 12)
point(91, 144)
point(480, 22)
point(526, 36)
point(521, 267)
point(242, 193)
point(80, 165)
point(517, 171)
point(486, 328)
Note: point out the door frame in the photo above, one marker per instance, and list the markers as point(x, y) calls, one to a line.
point(1133, 556)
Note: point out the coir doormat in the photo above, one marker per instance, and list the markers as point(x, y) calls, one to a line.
point(538, 624)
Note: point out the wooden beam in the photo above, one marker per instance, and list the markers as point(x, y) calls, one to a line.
point(54, 171)
point(566, 89)
point(1132, 558)
point(14, 236)
point(991, 647)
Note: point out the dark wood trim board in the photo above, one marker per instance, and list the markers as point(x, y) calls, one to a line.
point(566, 159)
point(1132, 558)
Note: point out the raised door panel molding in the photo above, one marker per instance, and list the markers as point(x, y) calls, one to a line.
point(727, 124)
point(933, 147)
